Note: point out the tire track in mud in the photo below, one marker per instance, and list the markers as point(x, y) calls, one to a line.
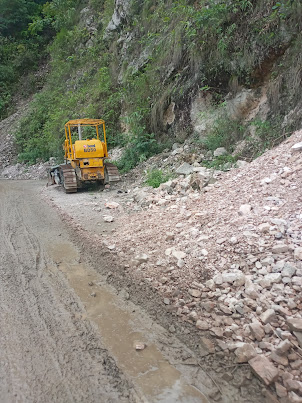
point(47, 351)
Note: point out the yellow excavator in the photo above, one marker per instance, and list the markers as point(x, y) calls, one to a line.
point(84, 158)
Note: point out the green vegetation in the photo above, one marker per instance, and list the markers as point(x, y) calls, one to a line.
point(163, 52)
point(223, 162)
point(156, 176)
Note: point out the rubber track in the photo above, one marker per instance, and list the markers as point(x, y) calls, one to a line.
point(69, 178)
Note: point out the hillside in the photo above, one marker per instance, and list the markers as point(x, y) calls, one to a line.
point(203, 109)
point(225, 74)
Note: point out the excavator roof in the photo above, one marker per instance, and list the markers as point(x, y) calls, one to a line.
point(85, 122)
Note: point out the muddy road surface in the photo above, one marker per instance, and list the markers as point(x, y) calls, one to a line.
point(65, 335)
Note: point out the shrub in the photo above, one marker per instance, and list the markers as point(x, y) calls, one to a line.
point(156, 176)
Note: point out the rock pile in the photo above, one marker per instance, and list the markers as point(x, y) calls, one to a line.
point(227, 257)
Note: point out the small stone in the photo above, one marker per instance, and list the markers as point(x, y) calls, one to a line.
point(210, 284)
point(202, 325)
point(299, 337)
point(264, 227)
point(166, 301)
point(220, 151)
point(298, 253)
point(139, 345)
point(294, 398)
point(178, 254)
point(233, 277)
point(193, 316)
point(218, 279)
point(296, 364)
point(257, 330)
point(245, 353)
point(264, 369)
point(295, 324)
point(195, 293)
point(288, 270)
point(185, 169)
point(270, 279)
point(245, 209)
point(268, 316)
point(283, 347)
point(169, 236)
point(251, 289)
point(218, 331)
point(143, 258)
point(93, 294)
point(280, 390)
point(297, 147)
point(280, 248)
point(180, 263)
point(279, 359)
point(291, 384)
point(108, 218)
point(111, 205)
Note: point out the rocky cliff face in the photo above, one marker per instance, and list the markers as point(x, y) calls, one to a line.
point(255, 84)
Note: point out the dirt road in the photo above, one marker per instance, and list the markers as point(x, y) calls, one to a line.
point(64, 336)
point(46, 353)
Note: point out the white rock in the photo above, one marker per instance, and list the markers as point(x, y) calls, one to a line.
point(251, 289)
point(111, 205)
point(264, 227)
point(143, 258)
point(297, 281)
point(288, 270)
point(218, 279)
point(270, 279)
point(185, 169)
point(268, 316)
point(245, 209)
point(178, 254)
point(298, 253)
point(220, 151)
point(233, 240)
point(108, 218)
point(233, 277)
point(195, 293)
point(297, 147)
point(280, 248)
point(210, 284)
point(180, 263)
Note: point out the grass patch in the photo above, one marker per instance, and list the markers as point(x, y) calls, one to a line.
point(156, 176)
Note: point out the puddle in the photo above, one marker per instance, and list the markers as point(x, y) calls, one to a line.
point(154, 377)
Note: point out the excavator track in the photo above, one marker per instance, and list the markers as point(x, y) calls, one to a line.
point(112, 173)
point(68, 178)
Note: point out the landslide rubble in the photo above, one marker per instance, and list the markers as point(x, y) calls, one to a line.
point(227, 258)
point(222, 250)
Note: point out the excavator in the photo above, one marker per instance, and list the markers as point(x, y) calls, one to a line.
point(84, 158)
